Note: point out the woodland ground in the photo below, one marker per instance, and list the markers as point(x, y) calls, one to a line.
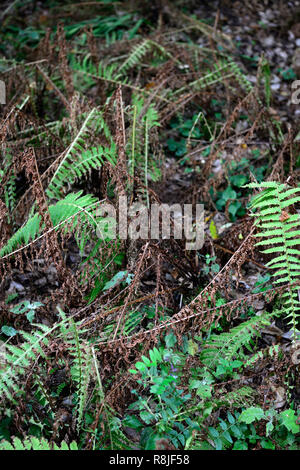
point(116, 344)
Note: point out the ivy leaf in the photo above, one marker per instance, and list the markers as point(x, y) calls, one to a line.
point(251, 414)
point(229, 193)
point(234, 208)
point(239, 180)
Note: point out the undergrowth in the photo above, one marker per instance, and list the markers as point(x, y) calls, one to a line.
point(114, 343)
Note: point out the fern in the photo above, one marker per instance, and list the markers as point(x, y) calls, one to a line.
point(131, 321)
point(110, 73)
point(10, 183)
point(75, 214)
point(217, 76)
point(10, 193)
point(136, 56)
point(230, 345)
point(42, 394)
point(144, 119)
point(240, 77)
point(19, 358)
point(210, 78)
point(81, 370)
point(271, 351)
point(78, 160)
point(236, 398)
point(33, 443)
point(75, 168)
point(67, 214)
point(280, 230)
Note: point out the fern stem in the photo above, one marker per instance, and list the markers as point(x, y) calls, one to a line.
point(133, 141)
point(146, 161)
point(73, 144)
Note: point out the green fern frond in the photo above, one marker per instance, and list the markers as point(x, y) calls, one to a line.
point(33, 443)
point(144, 119)
point(80, 160)
point(76, 167)
point(281, 232)
point(131, 321)
point(240, 76)
point(9, 184)
point(210, 78)
point(42, 395)
point(230, 345)
point(75, 214)
point(271, 351)
point(10, 193)
point(136, 56)
point(67, 214)
point(240, 397)
point(110, 74)
point(81, 370)
point(18, 359)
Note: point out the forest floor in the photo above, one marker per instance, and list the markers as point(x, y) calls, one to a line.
point(111, 343)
